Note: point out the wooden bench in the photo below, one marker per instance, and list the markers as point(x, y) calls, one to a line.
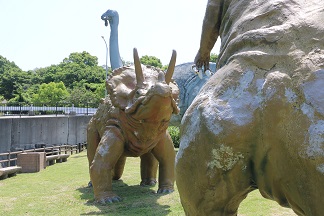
point(59, 158)
point(9, 171)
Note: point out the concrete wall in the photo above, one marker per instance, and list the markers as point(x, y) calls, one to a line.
point(26, 131)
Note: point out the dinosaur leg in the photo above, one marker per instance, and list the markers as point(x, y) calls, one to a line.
point(165, 154)
point(119, 168)
point(149, 166)
point(110, 149)
point(93, 140)
point(213, 176)
point(214, 164)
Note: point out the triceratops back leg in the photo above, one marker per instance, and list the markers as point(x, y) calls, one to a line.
point(149, 166)
point(119, 168)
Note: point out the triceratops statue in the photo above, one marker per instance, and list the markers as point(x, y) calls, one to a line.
point(132, 121)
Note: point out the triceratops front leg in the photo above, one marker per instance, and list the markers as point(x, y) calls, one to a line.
point(93, 140)
point(109, 151)
point(165, 154)
point(149, 166)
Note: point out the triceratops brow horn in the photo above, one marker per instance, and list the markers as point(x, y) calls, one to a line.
point(169, 73)
point(138, 69)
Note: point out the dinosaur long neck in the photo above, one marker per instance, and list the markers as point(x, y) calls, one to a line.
point(115, 60)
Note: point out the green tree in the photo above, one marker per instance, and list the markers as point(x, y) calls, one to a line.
point(19, 97)
point(151, 60)
point(82, 59)
point(50, 93)
point(12, 78)
point(80, 68)
point(6, 65)
point(88, 93)
point(78, 71)
point(46, 75)
point(213, 57)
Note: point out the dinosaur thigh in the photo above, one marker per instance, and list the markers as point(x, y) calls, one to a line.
point(213, 171)
point(288, 161)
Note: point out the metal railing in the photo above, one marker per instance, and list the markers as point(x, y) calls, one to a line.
point(43, 109)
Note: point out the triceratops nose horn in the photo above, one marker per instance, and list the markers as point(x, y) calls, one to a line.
point(169, 73)
point(138, 68)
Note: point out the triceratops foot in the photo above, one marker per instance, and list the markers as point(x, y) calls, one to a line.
point(148, 182)
point(110, 199)
point(165, 190)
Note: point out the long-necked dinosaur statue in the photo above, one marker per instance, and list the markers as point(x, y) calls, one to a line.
point(112, 17)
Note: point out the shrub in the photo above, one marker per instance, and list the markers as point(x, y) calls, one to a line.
point(175, 135)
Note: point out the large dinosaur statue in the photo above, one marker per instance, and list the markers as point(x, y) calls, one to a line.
point(132, 121)
point(188, 81)
point(258, 123)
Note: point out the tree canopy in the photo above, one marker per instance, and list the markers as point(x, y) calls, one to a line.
point(82, 59)
point(78, 76)
point(12, 79)
point(151, 60)
point(50, 93)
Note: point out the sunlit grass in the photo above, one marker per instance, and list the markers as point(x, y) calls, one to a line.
point(61, 189)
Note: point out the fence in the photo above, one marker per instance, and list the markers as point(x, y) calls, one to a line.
point(11, 157)
point(43, 109)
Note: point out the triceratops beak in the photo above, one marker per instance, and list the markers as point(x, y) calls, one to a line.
point(138, 69)
point(169, 73)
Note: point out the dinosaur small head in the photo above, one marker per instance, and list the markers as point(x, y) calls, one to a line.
point(141, 90)
point(111, 16)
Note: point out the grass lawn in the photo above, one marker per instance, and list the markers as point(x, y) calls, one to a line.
point(61, 189)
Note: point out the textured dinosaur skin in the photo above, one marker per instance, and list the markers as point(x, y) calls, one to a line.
point(132, 121)
point(258, 123)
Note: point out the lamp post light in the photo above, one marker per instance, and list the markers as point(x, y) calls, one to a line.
point(106, 63)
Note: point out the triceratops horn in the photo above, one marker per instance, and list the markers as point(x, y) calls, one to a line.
point(169, 73)
point(138, 69)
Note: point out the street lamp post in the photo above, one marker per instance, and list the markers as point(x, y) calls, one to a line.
point(106, 63)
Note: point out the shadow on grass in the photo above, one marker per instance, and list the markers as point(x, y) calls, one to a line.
point(137, 200)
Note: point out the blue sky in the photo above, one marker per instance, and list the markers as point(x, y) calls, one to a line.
point(38, 33)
